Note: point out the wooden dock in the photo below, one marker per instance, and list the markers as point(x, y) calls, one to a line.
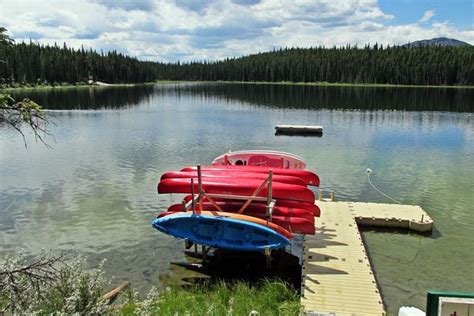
point(337, 277)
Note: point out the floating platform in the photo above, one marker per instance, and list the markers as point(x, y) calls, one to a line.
point(337, 277)
point(299, 129)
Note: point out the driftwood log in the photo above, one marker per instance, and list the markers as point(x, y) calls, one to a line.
point(112, 295)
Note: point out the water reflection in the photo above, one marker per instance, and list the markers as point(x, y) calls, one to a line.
point(83, 98)
point(315, 97)
point(272, 95)
point(95, 191)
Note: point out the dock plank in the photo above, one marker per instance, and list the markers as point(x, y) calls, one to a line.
point(337, 273)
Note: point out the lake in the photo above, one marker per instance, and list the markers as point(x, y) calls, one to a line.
point(94, 191)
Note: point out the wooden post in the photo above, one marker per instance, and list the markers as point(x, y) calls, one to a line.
point(333, 197)
point(268, 257)
point(192, 196)
point(200, 187)
point(252, 197)
point(210, 199)
point(270, 208)
point(188, 243)
point(270, 193)
point(321, 196)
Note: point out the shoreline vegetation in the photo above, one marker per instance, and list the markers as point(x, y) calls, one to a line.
point(80, 85)
point(53, 284)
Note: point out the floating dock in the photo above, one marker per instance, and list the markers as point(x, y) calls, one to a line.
point(299, 129)
point(337, 277)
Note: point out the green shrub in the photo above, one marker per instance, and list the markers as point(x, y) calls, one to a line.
point(50, 285)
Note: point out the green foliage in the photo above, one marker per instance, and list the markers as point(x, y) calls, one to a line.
point(50, 285)
point(28, 112)
point(5, 40)
point(54, 286)
point(75, 291)
point(240, 298)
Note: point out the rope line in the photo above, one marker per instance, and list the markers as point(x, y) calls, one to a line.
point(373, 186)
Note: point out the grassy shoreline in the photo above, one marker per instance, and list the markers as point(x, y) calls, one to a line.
point(284, 83)
point(221, 298)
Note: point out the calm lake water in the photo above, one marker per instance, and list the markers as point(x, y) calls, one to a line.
point(94, 192)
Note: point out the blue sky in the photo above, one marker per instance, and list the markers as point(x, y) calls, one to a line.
point(171, 30)
point(458, 12)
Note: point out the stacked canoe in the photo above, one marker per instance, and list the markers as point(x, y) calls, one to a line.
point(240, 207)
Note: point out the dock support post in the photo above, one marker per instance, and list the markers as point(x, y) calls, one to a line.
point(332, 196)
point(268, 258)
point(320, 195)
point(188, 243)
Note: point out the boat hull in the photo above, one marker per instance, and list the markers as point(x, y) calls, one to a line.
point(292, 224)
point(236, 186)
point(222, 174)
point(310, 178)
point(221, 231)
point(253, 209)
point(268, 158)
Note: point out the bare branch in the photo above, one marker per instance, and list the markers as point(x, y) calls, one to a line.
point(17, 279)
point(25, 112)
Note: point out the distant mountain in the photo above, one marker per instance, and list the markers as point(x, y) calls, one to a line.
point(439, 41)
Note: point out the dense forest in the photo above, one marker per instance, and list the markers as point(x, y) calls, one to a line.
point(32, 63)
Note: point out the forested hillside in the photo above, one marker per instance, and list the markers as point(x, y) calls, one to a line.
point(36, 64)
point(31, 63)
point(393, 65)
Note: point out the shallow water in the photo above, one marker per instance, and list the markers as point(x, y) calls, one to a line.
point(94, 192)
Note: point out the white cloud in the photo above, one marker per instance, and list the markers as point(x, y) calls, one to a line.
point(427, 16)
point(170, 30)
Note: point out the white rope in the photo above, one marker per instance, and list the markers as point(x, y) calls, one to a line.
point(369, 171)
point(10, 205)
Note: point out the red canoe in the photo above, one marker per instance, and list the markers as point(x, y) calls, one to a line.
point(291, 224)
point(252, 209)
point(310, 178)
point(238, 186)
point(310, 207)
point(227, 174)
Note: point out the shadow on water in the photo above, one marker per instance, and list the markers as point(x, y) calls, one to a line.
point(299, 134)
point(434, 234)
point(233, 266)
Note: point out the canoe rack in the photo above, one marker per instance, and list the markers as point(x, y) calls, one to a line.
point(197, 198)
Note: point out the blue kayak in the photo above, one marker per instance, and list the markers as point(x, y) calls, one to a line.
point(220, 232)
